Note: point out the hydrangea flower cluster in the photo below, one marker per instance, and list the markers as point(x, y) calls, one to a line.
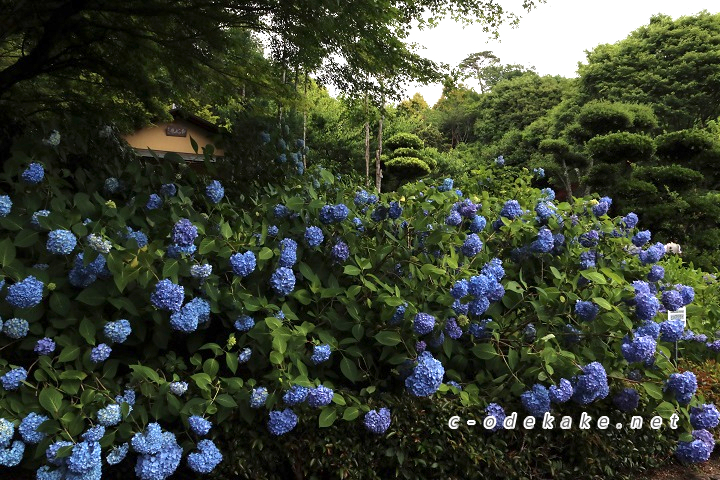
point(81, 275)
point(100, 353)
point(33, 174)
point(244, 323)
point(61, 242)
point(330, 214)
point(192, 314)
point(321, 353)
point(314, 236)
point(178, 388)
point(641, 349)
point(199, 425)
point(26, 293)
point(35, 219)
point(697, 450)
point(536, 401)
point(16, 328)
point(28, 428)
point(586, 310)
point(656, 273)
point(320, 396)
point(159, 453)
point(12, 379)
point(154, 202)
point(117, 331)
point(495, 410)
point(296, 395)
point(215, 191)
point(627, 400)
point(705, 416)
point(282, 281)
point(288, 252)
point(671, 330)
point(45, 346)
point(168, 296)
point(201, 272)
point(243, 264)
point(258, 397)
point(653, 254)
point(399, 314)
point(206, 458)
point(426, 376)
point(168, 189)
point(591, 385)
point(682, 385)
point(5, 205)
point(423, 323)
point(395, 210)
point(184, 233)
point(377, 421)
point(471, 246)
point(446, 186)
point(281, 422)
point(562, 392)
point(340, 252)
point(511, 210)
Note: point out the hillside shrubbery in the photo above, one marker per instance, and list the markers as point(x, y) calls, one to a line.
point(305, 318)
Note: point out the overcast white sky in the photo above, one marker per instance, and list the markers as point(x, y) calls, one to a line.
point(553, 37)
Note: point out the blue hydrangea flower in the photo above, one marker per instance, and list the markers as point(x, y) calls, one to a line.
point(12, 455)
point(496, 411)
point(511, 210)
point(168, 296)
point(326, 215)
point(641, 349)
point(320, 396)
point(244, 355)
point(192, 314)
point(561, 393)
point(206, 459)
point(184, 232)
point(446, 186)
point(117, 454)
point(544, 242)
point(646, 306)
point(641, 238)
point(51, 452)
point(536, 401)
point(258, 397)
point(398, 315)
point(112, 184)
point(16, 328)
point(168, 189)
point(340, 212)
point(587, 260)
point(705, 416)
point(281, 211)
point(139, 237)
point(26, 293)
point(45, 346)
point(477, 224)
point(460, 289)
point(649, 328)
point(687, 294)
point(672, 300)
point(340, 252)
point(600, 209)
point(97, 243)
point(117, 331)
point(571, 334)
point(154, 202)
point(177, 251)
point(5, 205)
point(452, 329)
point(586, 310)
point(395, 210)
point(288, 252)
point(243, 264)
point(35, 219)
point(28, 428)
point(321, 353)
point(423, 323)
point(656, 273)
point(199, 425)
point(162, 462)
point(361, 198)
point(589, 239)
point(281, 422)
point(426, 376)
point(627, 400)
point(100, 353)
point(33, 174)
point(652, 254)
point(377, 421)
point(282, 281)
point(454, 219)
point(479, 330)
point(127, 397)
point(201, 272)
point(150, 441)
point(297, 394)
point(12, 379)
point(7, 430)
point(671, 330)
point(61, 242)
point(244, 323)
point(591, 385)
point(110, 415)
point(215, 191)
point(420, 346)
point(314, 236)
point(178, 388)
point(698, 450)
point(500, 161)
point(94, 434)
point(530, 333)
point(471, 246)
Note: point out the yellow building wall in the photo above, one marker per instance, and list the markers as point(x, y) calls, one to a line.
point(154, 137)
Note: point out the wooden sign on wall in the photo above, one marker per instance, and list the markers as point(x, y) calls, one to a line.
point(175, 131)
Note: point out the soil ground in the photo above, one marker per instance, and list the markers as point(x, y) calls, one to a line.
point(709, 470)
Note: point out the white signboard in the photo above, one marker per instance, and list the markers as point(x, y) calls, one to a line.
point(678, 315)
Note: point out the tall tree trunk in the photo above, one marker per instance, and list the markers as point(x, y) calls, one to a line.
point(367, 145)
point(378, 153)
point(568, 182)
point(305, 109)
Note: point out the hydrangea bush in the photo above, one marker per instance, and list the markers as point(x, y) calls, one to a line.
point(128, 331)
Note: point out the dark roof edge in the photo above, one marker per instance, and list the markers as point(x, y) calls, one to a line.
point(194, 119)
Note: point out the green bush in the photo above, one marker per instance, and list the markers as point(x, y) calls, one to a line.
point(621, 147)
point(682, 145)
point(407, 167)
point(359, 291)
point(602, 117)
point(404, 140)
